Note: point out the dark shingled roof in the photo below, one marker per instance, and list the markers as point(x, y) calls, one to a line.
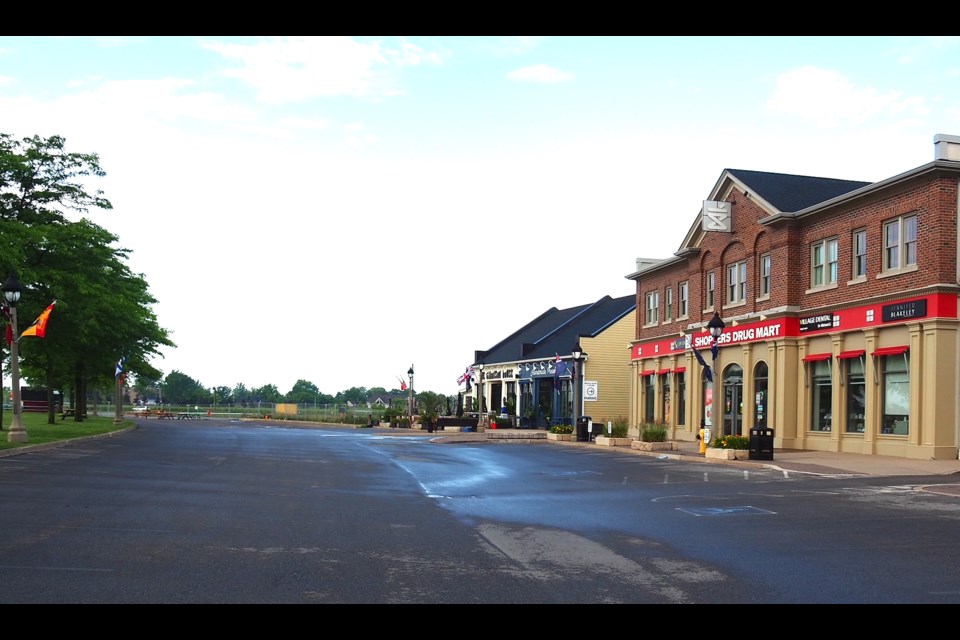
point(790, 193)
point(556, 331)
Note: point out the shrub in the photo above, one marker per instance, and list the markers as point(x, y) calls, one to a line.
point(620, 428)
point(653, 433)
point(739, 443)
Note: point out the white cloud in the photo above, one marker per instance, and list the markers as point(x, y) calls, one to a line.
point(294, 69)
point(827, 98)
point(541, 73)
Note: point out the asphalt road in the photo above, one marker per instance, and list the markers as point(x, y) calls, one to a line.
point(230, 512)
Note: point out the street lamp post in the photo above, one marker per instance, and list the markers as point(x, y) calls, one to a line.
point(410, 395)
point(577, 381)
point(715, 326)
point(11, 292)
point(480, 397)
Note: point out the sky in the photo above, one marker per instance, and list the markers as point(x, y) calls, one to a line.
point(336, 209)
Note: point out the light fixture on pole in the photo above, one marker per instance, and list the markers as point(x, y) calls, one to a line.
point(410, 395)
point(577, 381)
point(715, 326)
point(480, 396)
point(11, 292)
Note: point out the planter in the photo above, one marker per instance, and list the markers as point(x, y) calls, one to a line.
point(727, 454)
point(655, 446)
point(562, 437)
point(604, 441)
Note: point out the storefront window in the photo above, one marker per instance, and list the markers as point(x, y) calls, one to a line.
point(650, 395)
point(896, 395)
point(822, 395)
point(681, 398)
point(856, 395)
point(665, 398)
point(760, 396)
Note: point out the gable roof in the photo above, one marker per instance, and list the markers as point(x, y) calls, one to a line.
point(790, 193)
point(778, 193)
point(556, 331)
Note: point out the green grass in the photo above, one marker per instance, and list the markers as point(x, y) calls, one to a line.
point(40, 432)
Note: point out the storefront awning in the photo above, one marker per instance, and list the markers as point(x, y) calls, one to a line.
point(663, 372)
point(680, 370)
point(890, 351)
point(647, 372)
point(851, 354)
point(816, 357)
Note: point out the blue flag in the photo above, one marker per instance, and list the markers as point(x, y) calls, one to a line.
point(708, 373)
point(703, 363)
point(714, 350)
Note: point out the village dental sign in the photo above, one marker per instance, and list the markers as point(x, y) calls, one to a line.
point(937, 305)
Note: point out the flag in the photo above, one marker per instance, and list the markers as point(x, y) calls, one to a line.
point(466, 376)
point(119, 367)
point(707, 371)
point(714, 349)
point(403, 385)
point(39, 326)
point(559, 369)
point(703, 363)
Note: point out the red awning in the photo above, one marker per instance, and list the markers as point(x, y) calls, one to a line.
point(890, 351)
point(663, 372)
point(817, 357)
point(680, 370)
point(647, 372)
point(851, 354)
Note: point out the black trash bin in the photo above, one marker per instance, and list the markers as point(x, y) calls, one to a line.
point(761, 444)
point(583, 425)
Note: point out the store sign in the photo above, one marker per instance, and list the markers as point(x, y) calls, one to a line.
point(716, 216)
point(905, 310)
point(589, 390)
point(811, 323)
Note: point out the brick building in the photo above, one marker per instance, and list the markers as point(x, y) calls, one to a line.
point(839, 301)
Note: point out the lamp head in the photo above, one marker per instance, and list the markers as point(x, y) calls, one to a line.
point(716, 325)
point(410, 371)
point(576, 352)
point(12, 289)
point(480, 366)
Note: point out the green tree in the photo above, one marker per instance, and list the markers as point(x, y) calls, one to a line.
point(267, 393)
point(179, 388)
point(303, 392)
point(103, 310)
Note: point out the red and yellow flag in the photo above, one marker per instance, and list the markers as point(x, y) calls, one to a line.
point(39, 326)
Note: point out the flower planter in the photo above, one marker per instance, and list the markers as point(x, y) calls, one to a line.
point(562, 437)
point(604, 441)
point(727, 454)
point(655, 446)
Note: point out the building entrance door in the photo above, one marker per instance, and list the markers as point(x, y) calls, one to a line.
point(733, 400)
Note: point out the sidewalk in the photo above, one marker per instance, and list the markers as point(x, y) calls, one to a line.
point(816, 462)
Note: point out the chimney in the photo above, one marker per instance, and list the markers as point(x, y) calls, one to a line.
point(946, 147)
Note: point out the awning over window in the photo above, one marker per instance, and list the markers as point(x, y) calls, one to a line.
point(680, 370)
point(890, 351)
point(647, 372)
point(815, 357)
point(851, 354)
point(663, 372)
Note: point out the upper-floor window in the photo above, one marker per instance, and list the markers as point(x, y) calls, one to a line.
point(900, 243)
point(684, 302)
point(711, 288)
point(653, 307)
point(823, 263)
point(737, 283)
point(859, 253)
point(765, 275)
point(668, 305)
